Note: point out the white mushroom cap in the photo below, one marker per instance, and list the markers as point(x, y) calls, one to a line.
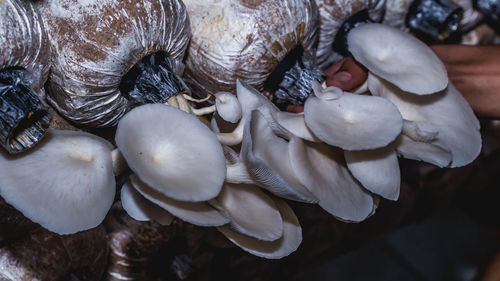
point(446, 113)
point(287, 244)
point(322, 169)
point(266, 158)
point(422, 151)
point(377, 170)
point(228, 106)
point(251, 211)
point(398, 57)
point(66, 183)
point(352, 122)
point(197, 213)
point(416, 144)
point(141, 209)
point(296, 124)
point(172, 151)
point(413, 131)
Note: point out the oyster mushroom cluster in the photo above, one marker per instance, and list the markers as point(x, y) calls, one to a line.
point(340, 153)
point(181, 171)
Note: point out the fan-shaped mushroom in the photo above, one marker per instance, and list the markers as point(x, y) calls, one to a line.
point(287, 244)
point(198, 213)
point(24, 67)
point(70, 186)
point(447, 113)
point(398, 57)
point(109, 55)
point(251, 211)
point(139, 208)
point(172, 151)
point(377, 170)
point(351, 122)
point(322, 169)
point(249, 40)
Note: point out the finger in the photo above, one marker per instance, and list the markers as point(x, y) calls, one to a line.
point(295, 108)
point(350, 76)
point(334, 68)
point(342, 80)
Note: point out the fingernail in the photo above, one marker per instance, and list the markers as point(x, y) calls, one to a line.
point(342, 76)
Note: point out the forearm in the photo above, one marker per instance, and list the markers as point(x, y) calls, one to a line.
point(475, 71)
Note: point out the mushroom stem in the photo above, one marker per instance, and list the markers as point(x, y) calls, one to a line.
point(172, 101)
point(203, 110)
point(120, 165)
point(233, 138)
point(183, 104)
point(24, 120)
point(190, 98)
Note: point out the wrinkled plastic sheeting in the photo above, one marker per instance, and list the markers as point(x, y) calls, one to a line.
point(152, 80)
point(333, 14)
point(96, 42)
point(244, 39)
point(24, 43)
point(17, 102)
